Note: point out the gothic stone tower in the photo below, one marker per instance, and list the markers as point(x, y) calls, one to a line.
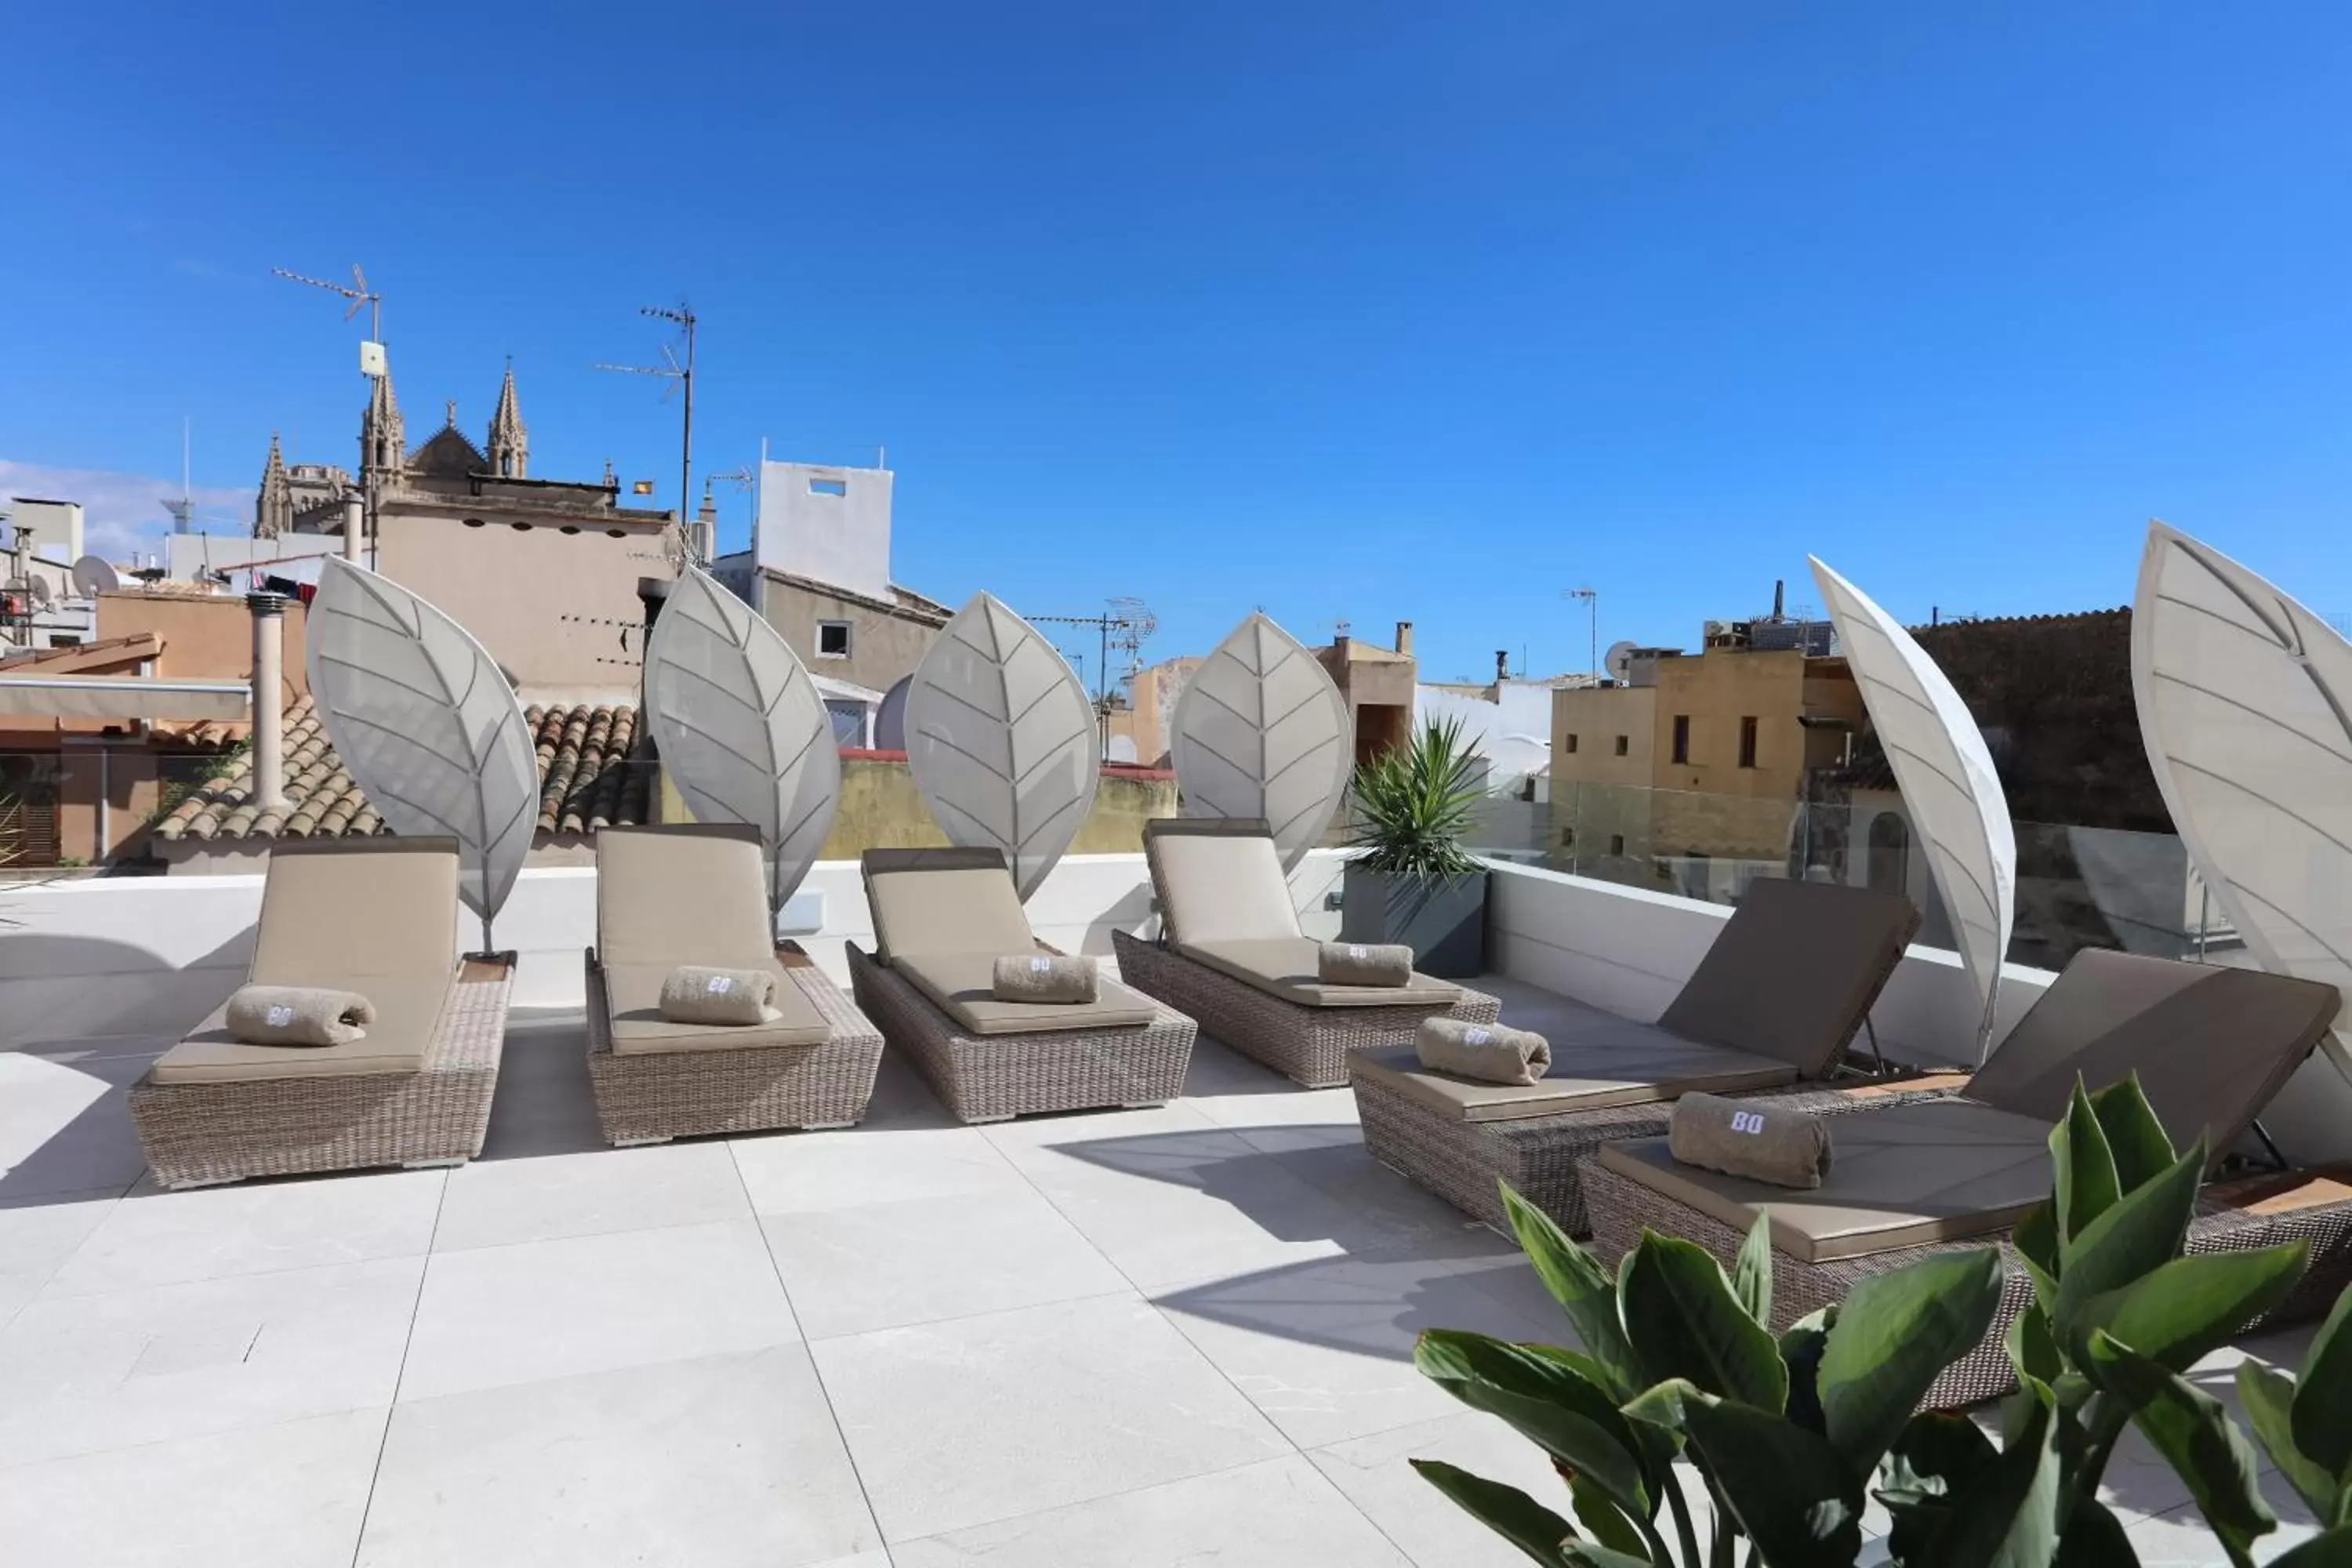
point(509, 448)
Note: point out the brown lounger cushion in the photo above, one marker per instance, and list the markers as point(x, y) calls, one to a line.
point(1286, 967)
point(962, 985)
point(1606, 1062)
point(1794, 971)
point(1219, 881)
point(943, 901)
point(375, 916)
point(2211, 1046)
point(632, 1002)
point(408, 1012)
point(1905, 1175)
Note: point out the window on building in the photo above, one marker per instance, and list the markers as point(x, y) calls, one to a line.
point(833, 639)
point(1682, 737)
point(1748, 741)
point(1616, 844)
point(1571, 744)
point(1622, 745)
point(828, 487)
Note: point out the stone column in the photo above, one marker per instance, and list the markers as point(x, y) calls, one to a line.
point(268, 715)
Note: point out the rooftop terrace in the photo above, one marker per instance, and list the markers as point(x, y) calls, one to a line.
point(1147, 1337)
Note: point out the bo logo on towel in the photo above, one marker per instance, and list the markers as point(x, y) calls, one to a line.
point(1746, 1122)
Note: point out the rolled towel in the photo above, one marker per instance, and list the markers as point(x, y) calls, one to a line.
point(695, 994)
point(1489, 1052)
point(1042, 977)
point(299, 1016)
point(1364, 963)
point(1750, 1137)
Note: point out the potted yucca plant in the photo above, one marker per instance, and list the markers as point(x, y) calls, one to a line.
point(1410, 880)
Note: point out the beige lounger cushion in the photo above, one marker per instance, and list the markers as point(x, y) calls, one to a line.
point(2211, 1046)
point(677, 895)
point(1286, 967)
point(378, 917)
point(1905, 1175)
point(962, 984)
point(1794, 971)
point(1219, 882)
point(632, 1001)
point(943, 901)
point(408, 1012)
point(1616, 1063)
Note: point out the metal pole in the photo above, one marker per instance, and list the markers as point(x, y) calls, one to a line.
point(685, 441)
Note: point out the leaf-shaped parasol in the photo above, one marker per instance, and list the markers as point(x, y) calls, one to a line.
point(741, 728)
point(425, 723)
point(1957, 806)
point(1000, 739)
point(2243, 696)
point(1261, 732)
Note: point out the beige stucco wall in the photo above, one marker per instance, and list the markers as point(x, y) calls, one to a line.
point(203, 639)
point(1596, 716)
point(883, 647)
point(1715, 690)
point(558, 611)
point(881, 809)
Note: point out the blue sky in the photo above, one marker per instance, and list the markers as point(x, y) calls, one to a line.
point(1346, 310)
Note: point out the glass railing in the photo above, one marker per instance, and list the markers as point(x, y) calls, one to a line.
point(2076, 887)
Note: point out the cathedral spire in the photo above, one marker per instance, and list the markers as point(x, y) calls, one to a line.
point(509, 450)
point(273, 505)
point(384, 444)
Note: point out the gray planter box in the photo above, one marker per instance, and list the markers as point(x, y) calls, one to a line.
point(1446, 925)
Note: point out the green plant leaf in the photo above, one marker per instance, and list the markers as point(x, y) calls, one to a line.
point(1411, 807)
point(2192, 1305)
point(2094, 1538)
point(1603, 1520)
point(2137, 1234)
point(2033, 1347)
point(1895, 1334)
point(2006, 1515)
point(1548, 1402)
point(2136, 1140)
point(2268, 1396)
point(2035, 1239)
point(1936, 1457)
point(1509, 1512)
point(2322, 1395)
point(2195, 1435)
point(1683, 1321)
point(2332, 1550)
point(1582, 1287)
point(2084, 1167)
point(1795, 1494)
point(1800, 1351)
point(1752, 1272)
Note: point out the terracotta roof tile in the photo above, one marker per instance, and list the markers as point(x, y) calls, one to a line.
point(585, 776)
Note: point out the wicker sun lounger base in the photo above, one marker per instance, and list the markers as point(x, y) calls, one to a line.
point(993, 1078)
point(2238, 1215)
point(198, 1135)
point(1463, 1162)
point(652, 1098)
point(1307, 1045)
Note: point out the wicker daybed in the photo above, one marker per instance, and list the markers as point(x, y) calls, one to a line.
point(1232, 954)
point(1771, 1009)
point(378, 916)
point(698, 894)
point(2212, 1046)
point(941, 918)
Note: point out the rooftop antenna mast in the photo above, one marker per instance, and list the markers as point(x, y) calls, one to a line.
point(184, 509)
point(1590, 598)
point(679, 376)
point(372, 366)
point(1124, 625)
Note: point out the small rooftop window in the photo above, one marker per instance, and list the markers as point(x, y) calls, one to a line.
point(828, 487)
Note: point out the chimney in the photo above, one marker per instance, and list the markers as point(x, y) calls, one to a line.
point(1777, 587)
point(268, 718)
point(1404, 639)
point(1502, 665)
point(355, 528)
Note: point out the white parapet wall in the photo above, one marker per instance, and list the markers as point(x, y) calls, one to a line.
point(152, 955)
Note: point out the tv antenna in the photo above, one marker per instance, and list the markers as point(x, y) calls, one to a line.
point(361, 296)
point(679, 375)
point(1590, 598)
point(1125, 625)
point(372, 365)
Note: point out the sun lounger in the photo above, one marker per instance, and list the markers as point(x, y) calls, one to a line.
point(697, 894)
point(378, 916)
point(2212, 1046)
point(942, 919)
point(1771, 1009)
point(1232, 954)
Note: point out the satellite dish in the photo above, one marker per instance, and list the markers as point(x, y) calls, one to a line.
point(1618, 661)
point(890, 718)
point(93, 576)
